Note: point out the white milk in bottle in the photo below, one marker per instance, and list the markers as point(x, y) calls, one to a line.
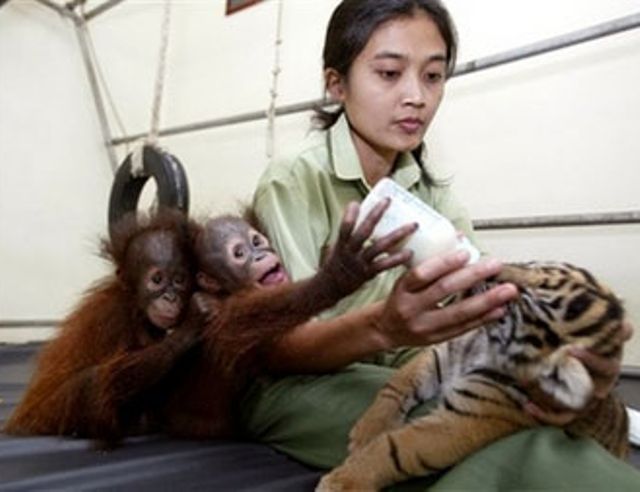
point(435, 234)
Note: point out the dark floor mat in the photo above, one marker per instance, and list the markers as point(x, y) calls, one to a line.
point(152, 463)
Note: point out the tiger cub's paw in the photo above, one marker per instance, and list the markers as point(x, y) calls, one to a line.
point(339, 481)
point(364, 431)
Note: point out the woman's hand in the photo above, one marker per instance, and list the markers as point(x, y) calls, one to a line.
point(604, 373)
point(411, 315)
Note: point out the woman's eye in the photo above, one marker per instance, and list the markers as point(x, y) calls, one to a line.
point(434, 77)
point(389, 74)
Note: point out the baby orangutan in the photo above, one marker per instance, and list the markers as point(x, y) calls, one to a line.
point(256, 301)
point(112, 353)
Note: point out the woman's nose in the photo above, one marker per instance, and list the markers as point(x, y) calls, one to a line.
point(414, 92)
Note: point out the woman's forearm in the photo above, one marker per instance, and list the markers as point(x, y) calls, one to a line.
point(410, 316)
point(328, 345)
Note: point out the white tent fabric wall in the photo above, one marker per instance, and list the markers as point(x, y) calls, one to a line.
point(548, 135)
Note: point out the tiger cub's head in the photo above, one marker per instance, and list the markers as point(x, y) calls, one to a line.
point(559, 305)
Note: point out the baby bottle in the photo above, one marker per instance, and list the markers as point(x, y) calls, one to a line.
point(435, 234)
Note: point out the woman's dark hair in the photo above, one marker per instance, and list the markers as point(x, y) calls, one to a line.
point(354, 21)
point(350, 27)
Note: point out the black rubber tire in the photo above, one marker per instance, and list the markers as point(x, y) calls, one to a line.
point(171, 182)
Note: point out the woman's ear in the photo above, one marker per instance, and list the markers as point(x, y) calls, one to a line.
point(334, 84)
point(208, 284)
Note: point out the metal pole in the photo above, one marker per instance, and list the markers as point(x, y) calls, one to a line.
point(58, 8)
point(29, 323)
point(229, 120)
point(563, 41)
point(598, 31)
point(80, 26)
point(631, 372)
point(81, 31)
point(101, 8)
point(591, 219)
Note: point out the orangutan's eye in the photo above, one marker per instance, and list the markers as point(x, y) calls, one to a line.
point(238, 252)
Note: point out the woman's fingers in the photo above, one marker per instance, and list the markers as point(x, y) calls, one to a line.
point(412, 313)
point(470, 312)
point(626, 331)
point(604, 370)
point(597, 365)
point(452, 331)
point(555, 417)
point(411, 323)
point(439, 277)
point(427, 272)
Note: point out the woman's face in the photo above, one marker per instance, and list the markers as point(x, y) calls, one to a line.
point(394, 86)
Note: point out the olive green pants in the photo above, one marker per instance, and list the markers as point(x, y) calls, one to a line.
point(309, 418)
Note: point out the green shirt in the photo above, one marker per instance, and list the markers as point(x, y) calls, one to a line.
point(301, 197)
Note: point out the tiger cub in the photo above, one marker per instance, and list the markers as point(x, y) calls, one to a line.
point(476, 378)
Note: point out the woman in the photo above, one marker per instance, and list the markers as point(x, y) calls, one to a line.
point(385, 64)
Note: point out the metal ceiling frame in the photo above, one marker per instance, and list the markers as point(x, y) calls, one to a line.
point(622, 24)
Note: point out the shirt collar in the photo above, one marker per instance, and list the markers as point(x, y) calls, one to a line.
point(346, 164)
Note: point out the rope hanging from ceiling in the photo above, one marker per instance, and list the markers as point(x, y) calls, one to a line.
point(148, 160)
point(271, 112)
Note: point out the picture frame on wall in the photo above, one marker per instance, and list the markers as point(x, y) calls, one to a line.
point(235, 5)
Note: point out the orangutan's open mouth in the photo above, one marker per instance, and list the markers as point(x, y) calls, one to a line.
point(274, 276)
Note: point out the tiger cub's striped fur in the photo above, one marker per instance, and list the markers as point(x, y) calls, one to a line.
point(476, 378)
